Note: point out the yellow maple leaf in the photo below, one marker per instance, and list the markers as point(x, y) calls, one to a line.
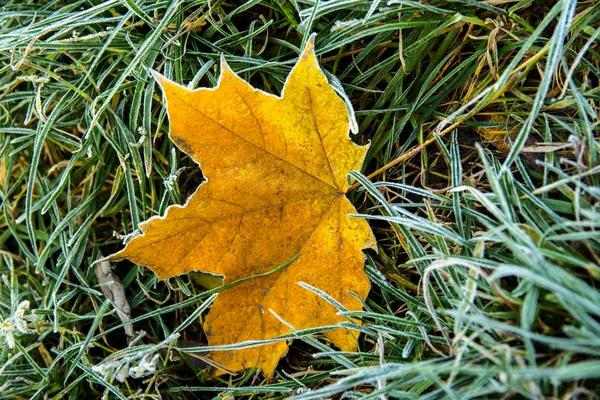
point(277, 177)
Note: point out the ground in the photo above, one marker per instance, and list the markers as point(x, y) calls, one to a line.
point(481, 186)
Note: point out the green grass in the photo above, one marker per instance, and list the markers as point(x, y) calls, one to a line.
point(481, 184)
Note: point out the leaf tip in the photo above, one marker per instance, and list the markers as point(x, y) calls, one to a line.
point(225, 68)
point(160, 78)
point(309, 47)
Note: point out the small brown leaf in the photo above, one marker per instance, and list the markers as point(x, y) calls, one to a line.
point(113, 289)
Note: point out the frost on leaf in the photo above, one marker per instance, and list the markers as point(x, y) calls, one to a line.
point(277, 176)
point(20, 323)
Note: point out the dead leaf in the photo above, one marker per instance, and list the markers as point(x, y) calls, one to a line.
point(277, 177)
point(495, 135)
point(113, 289)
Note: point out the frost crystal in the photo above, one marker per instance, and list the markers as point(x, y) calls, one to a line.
point(130, 362)
point(171, 179)
point(20, 323)
point(146, 366)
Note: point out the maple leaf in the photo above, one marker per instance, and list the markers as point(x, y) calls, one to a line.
point(276, 170)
